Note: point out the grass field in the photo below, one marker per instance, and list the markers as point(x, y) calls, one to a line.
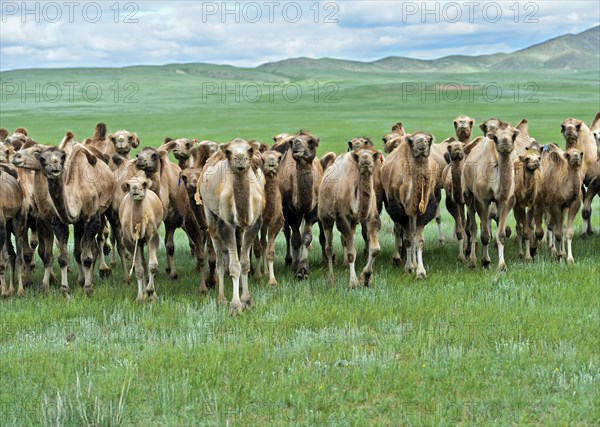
point(468, 347)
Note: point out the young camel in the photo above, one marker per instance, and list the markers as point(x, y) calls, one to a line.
point(346, 199)
point(455, 203)
point(140, 215)
point(409, 178)
point(527, 188)
point(563, 167)
point(81, 189)
point(233, 198)
point(488, 176)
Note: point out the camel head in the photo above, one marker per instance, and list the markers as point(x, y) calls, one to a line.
point(463, 126)
point(189, 177)
point(6, 153)
point(419, 144)
point(3, 134)
point(52, 162)
point(304, 147)
point(150, 160)
point(26, 157)
point(280, 137)
point(490, 125)
point(596, 134)
point(531, 159)
point(136, 187)
point(359, 142)
point(17, 139)
point(124, 141)
point(570, 129)
point(182, 147)
point(504, 137)
point(365, 158)
point(239, 154)
point(574, 157)
point(271, 159)
point(456, 151)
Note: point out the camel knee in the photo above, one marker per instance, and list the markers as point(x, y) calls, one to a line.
point(170, 248)
point(245, 265)
point(235, 269)
point(307, 239)
point(153, 267)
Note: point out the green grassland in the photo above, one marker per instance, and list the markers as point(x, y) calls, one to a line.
point(466, 347)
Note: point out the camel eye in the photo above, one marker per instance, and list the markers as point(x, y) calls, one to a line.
point(187, 146)
point(154, 157)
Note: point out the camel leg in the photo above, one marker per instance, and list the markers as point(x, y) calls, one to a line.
point(327, 224)
point(228, 237)
point(345, 249)
point(288, 254)
point(219, 265)
point(212, 261)
point(61, 232)
point(115, 225)
point(365, 236)
point(419, 243)
point(274, 229)
point(454, 210)
point(78, 230)
point(33, 243)
point(372, 226)
point(534, 216)
point(138, 268)
point(249, 236)
point(26, 249)
point(348, 231)
point(438, 221)
point(302, 270)
point(482, 211)
point(520, 219)
point(103, 269)
point(258, 249)
point(573, 209)
point(46, 241)
point(3, 290)
point(324, 262)
point(264, 232)
point(503, 211)
point(170, 247)
point(409, 244)
point(153, 266)
point(557, 230)
point(91, 229)
point(397, 257)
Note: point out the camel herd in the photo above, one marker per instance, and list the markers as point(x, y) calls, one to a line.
point(233, 199)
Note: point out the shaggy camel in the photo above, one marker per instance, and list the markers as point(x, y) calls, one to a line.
point(488, 176)
point(272, 215)
point(463, 127)
point(43, 206)
point(527, 200)
point(346, 199)
point(164, 176)
point(451, 179)
point(299, 176)
point(563, 167)
point(394, 138)
point(233, 200)
point(81, 189)
point(409, 179)
point(140, 215)
point(578, 135)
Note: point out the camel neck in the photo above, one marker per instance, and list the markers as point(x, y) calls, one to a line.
point(241, 194)
point(456, 172)
point(304, 187)
point(505, 175)
point(56, 188)
point(365, 190)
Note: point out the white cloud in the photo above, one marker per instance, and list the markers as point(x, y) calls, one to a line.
point(197, 32)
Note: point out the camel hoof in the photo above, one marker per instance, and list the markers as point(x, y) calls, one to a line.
point(302, 273)
point(105, 273)
point(273, 282)
point(174, 276)
point(502, 266)
point(151, 296)
point(461, 259)
point(409, 270)
point(89, 291)
point(507, 231)
point(235, 308)
point(65, 290)
point(528, 259)
point(442, 240)
point(396, 262)
point(21, 293)
point(485, 262)
point(203, 290)
point(570, 260)
point(472, 263)
point(141, 298)
point(44, 289)
point(221, 301)
point(5, 294)
point(365, 279)
point(590, 232)
point(247, 302)
point(288, 261)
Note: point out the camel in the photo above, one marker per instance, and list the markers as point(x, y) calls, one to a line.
point(233, 198)
point(565, 168)
point(488, 176)
point(81, 189)
point(165, 177)
point(195, 219)
point(272, 216)
point(451, 179)
point(140, 215)
point(409, 178)
point(346, 199)
point(43, 206)
point(394, 138)
point(11, 217)
point(578, 135)
point(299, 176)
point(527, 187)
point(181, 148)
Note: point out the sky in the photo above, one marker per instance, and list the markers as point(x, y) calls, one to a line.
point(56, 34)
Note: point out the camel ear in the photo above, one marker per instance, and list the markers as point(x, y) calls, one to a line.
point(398, 127)
point(349, 145)
point(184, 178)
point(136, 141)
point(167, 139)
point(314, 142)
point(515, 134)
point(409, 140)
point(225, 149)
point(430, 138)
point(578, 127)
point(483, 128)
point(112, 138)
point(117, 160)
point(562, 128)
point(554, 156)
point(471, 123)
point(447, 158)
point(376, 156)
point(37, 155)
point(125, 187)
point(146, 183)
point(522, 158)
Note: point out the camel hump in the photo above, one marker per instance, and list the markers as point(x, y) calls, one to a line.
point(596, 121)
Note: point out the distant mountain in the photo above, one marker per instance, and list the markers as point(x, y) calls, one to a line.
point(568, 52)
